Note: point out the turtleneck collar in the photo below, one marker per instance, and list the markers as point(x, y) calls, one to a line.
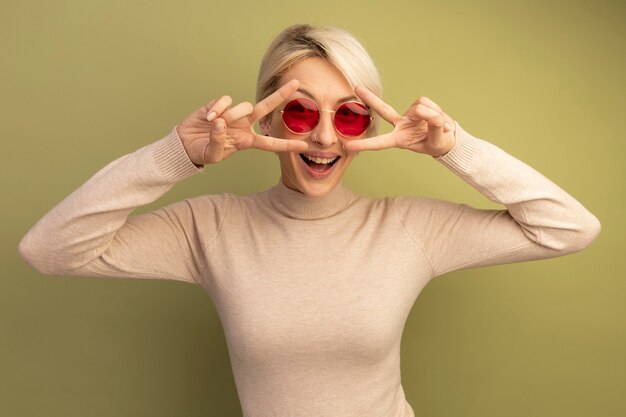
point(297, 205)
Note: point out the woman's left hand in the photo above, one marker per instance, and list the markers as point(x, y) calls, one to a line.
point(424, 127)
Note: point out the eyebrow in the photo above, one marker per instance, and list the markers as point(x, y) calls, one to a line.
point(342, 100)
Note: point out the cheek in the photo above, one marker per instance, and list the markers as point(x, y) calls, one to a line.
point(286, 161)
point(348, 160)
point(351, 157)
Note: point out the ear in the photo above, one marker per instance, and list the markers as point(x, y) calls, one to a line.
point(264, 125)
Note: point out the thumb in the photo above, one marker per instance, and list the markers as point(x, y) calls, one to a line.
point(215, 151)
point(436, 136)
point(441, 136)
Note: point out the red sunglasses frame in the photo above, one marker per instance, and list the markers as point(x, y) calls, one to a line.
point(358, 103)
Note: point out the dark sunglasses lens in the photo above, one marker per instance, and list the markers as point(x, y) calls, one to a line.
point(301, 115)
point(352, 119)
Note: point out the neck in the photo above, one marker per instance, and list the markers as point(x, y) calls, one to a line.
point(295, 204)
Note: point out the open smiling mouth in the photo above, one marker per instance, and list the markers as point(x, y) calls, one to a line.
point(319, 164)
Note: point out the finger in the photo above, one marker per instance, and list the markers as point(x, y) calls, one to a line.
point(271, 144)
point(439, 141)
point(429, 103)
point(215, 151)
point(436, 132)
point(269, 103)
point(372, 100)
point(436, 123)
point(218, 107)
point(432, 117)
point(240, 110)
point(376, 143)
point(423, 112)
point(448, 121)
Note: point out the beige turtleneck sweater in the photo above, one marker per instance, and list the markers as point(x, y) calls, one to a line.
point(313, 293)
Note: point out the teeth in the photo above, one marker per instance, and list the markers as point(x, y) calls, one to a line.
point(320, 160)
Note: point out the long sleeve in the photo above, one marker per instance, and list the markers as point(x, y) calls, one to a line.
point(90, 232)
point(540, 220)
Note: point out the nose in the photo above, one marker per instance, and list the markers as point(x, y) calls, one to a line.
point(324, 133)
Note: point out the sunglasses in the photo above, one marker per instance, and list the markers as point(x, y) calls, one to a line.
point(351, 118)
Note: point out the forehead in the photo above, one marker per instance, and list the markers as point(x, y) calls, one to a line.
point(319, 78)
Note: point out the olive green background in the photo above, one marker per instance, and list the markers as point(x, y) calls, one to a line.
point(83, 82)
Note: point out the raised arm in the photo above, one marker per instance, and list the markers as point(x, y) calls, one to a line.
point(540, 220)
point(90, 232)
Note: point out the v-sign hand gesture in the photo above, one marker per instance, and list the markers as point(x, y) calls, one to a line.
point(215, 131)
point(424, 128)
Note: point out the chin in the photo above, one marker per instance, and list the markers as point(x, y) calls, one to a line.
point(312, 187)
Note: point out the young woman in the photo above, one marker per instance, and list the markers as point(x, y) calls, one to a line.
point(312, 282)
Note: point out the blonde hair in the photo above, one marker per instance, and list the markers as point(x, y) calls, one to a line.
point(337, 46)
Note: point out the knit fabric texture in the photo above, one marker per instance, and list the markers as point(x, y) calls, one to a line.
point(312, 293)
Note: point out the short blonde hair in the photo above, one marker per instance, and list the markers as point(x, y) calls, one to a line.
point(337, 46)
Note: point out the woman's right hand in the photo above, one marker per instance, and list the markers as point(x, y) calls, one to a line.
point(215, 131)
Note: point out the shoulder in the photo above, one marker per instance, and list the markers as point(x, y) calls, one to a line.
point(410, 211)
point(423, 213)
point(217, 201)
point(229, 203)
point(403, 205)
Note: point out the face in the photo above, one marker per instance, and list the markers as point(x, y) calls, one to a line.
point(317, 171)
